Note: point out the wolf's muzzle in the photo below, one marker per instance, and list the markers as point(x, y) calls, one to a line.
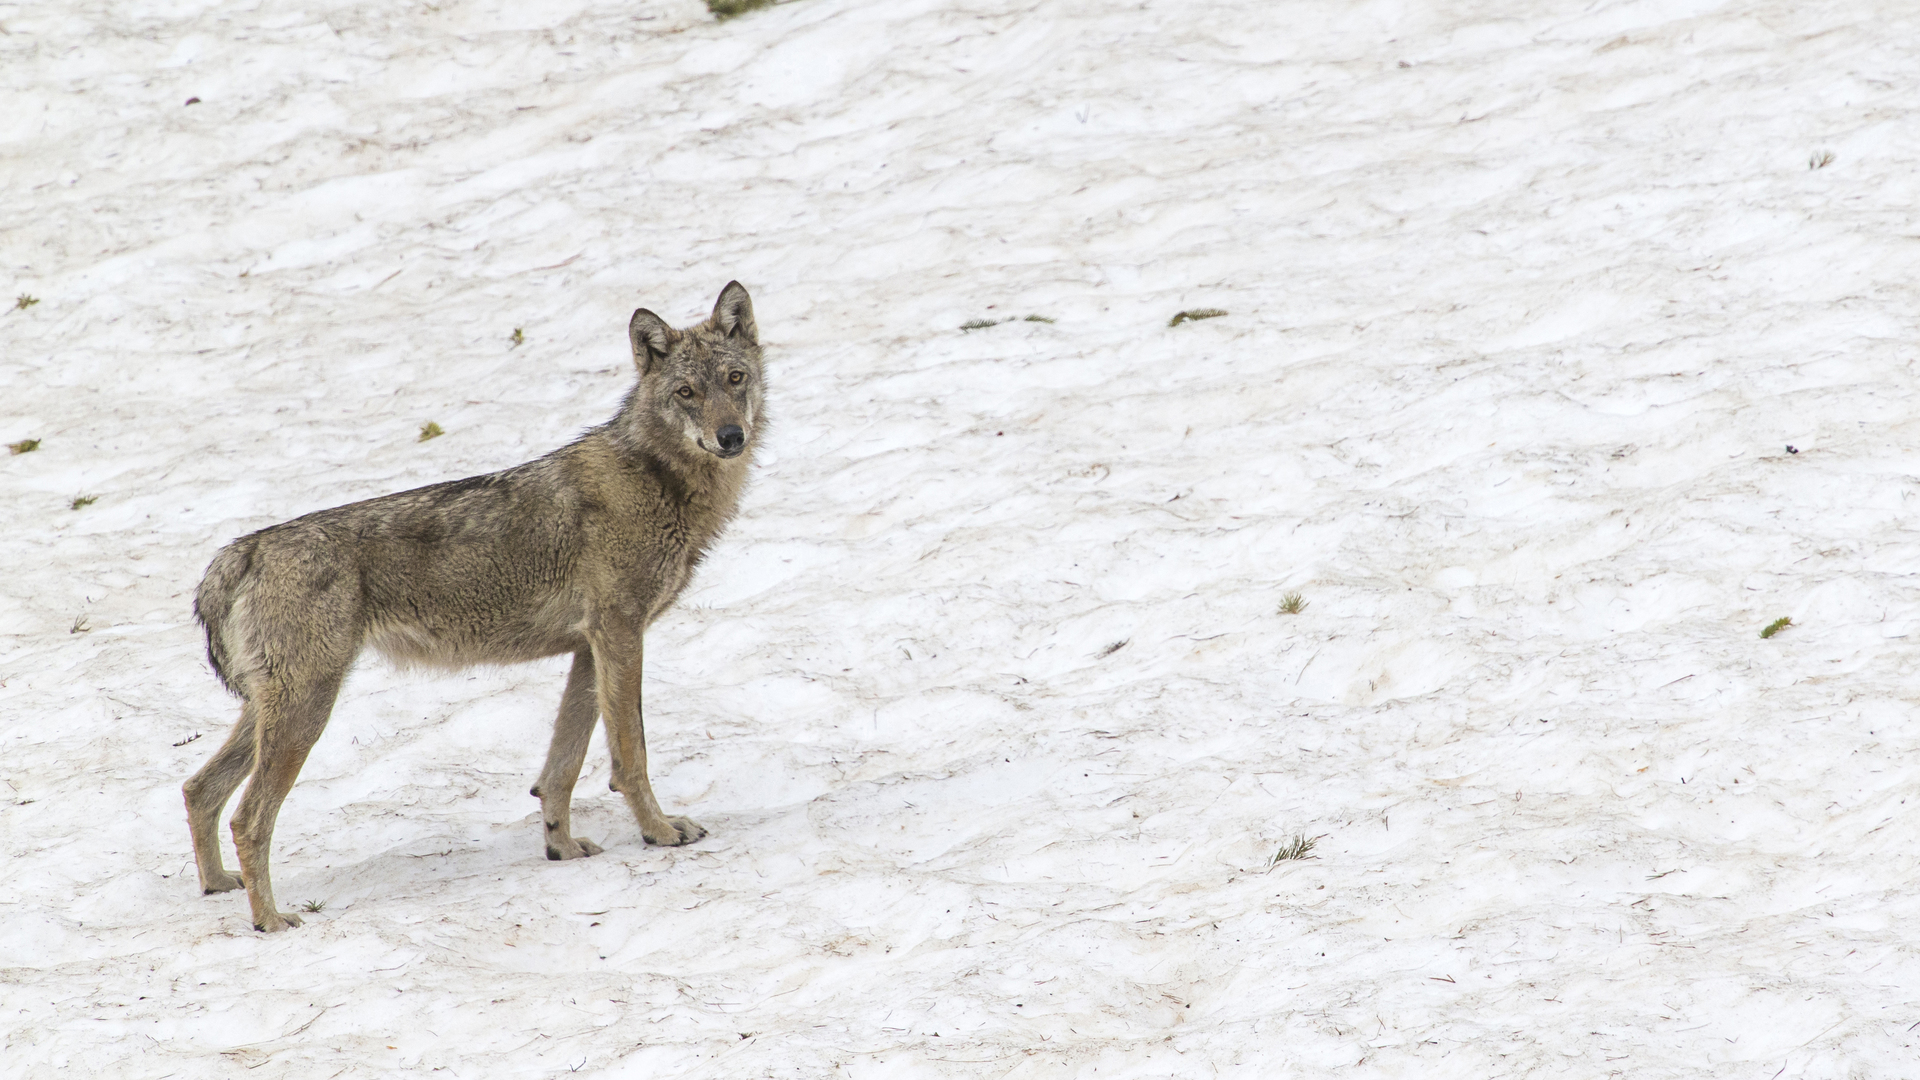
point(731, 439)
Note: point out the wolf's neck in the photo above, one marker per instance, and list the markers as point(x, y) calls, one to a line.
point(712, 486)
point(706, 487)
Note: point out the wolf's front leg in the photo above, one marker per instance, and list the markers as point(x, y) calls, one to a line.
point(572, 731)
point(617, 660)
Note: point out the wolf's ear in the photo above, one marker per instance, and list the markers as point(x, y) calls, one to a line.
point(733, 313)
point(651, 337)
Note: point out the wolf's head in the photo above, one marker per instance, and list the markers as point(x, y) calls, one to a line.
point(701, 391)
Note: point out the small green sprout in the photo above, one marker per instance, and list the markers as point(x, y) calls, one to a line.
point(1820, 159)
point(1776, 626)
point(519, 337)
point(24, 446)
point(1038, 318)
point(79, 626)
point(314, 906)
point(23, 302)
point(978, 324)
point(80, 501)
point(1292, 604)
point(430, 430)
point(1195, 314)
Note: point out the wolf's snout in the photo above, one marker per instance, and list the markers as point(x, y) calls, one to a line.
point(731, 439)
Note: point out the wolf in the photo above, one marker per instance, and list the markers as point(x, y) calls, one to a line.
point(575, 552)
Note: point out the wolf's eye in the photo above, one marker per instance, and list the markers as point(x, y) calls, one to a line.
point(685, 391)
point(736, 378)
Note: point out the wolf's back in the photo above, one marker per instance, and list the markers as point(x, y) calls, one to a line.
point(214, 602)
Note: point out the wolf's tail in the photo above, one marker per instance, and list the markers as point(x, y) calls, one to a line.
point(214, 603)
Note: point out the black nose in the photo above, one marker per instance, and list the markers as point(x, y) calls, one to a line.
point(731, 438)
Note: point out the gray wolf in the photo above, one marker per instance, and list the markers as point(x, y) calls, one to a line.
point(575, 552)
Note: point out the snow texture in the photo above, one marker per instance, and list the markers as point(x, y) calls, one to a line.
point(987, 697)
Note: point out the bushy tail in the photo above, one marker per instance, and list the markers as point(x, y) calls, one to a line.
point(213, 605)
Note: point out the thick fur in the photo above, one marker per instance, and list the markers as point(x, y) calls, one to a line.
point(575, 552)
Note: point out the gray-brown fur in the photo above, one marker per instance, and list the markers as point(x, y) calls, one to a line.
point(575, 552)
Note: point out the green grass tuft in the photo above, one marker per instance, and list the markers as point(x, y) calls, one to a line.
point(82, 500)
point(1292, 604)
point(727, 9)
point(519, 337)
point(982, 324)
point(1195, 314)
point(1300, 847)
point(24, 446)
point(1776, 626)
point(314, 906)
point(23, 301)
point(431, 430)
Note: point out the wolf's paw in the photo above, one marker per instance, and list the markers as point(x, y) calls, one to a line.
point(685, 831)
point(577, 848)
point(286, 920)
point(224, 883)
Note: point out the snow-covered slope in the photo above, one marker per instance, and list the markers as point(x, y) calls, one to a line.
point(1526, 303)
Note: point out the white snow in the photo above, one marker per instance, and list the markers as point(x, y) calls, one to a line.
point(1526, 302)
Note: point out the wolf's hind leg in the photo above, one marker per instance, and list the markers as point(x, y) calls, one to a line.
point(572, 731)
point(288, 722)
point(207, 792)
point(613, 781)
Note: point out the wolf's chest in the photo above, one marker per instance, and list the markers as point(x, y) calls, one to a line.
point(667, 567)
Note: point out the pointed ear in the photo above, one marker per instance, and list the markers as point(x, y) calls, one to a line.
point(651, 338)
point(733, 313)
